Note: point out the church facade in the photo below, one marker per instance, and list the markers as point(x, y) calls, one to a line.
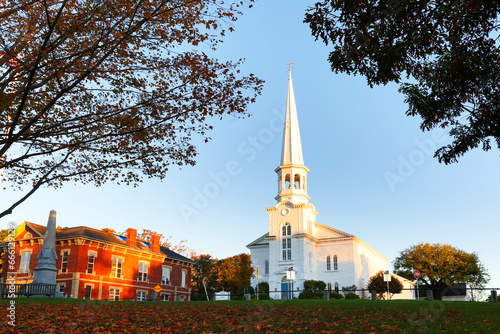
point(299, 247)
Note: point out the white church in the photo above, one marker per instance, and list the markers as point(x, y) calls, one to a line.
point(296, 242)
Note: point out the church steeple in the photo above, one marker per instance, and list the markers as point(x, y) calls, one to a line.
point(291, 151)
point(292, 173)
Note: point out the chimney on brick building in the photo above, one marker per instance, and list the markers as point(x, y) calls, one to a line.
point(155, 243)
point(132, 237)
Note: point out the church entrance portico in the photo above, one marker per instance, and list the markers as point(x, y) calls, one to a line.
point(286, 288)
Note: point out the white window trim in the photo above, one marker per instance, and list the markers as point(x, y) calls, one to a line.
point(145, 294)
point(61, 255)
point(139, 272)
point(121, 273)
point(115, 288)
point(93, 266)
point(184, 278)
point(164, 294)
point(169, 274)
point(21, 252)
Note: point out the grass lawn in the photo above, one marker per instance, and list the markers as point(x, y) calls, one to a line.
point(40, 315)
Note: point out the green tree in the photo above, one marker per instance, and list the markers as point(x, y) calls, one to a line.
point(111, 90)
point(205, 274)
point(447, 51)
point(442, 265)
point(378, 284)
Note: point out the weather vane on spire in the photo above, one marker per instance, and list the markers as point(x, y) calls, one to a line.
point(289, 66)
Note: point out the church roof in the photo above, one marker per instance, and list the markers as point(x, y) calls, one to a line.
point(291, 151)
point(331, 229)
point(261, 241)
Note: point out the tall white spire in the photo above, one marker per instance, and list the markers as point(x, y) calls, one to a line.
point(291, 151)
point(292, 173)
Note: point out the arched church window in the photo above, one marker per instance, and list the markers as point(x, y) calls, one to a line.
point(329, 286)
point(266, 267)
point(335, 263)
point(286, 229)
point(337, 287)
point(328, 264)
point(287, 181)
point(296, 180)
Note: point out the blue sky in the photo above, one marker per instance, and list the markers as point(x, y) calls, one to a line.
point(371, 168)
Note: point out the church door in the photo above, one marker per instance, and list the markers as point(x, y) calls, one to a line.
point(286, 288)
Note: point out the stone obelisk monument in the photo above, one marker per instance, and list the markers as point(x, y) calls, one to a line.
point(46, 271)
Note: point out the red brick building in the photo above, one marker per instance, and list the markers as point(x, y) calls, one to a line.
point(100, 264)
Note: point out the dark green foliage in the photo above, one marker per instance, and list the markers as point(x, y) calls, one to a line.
point(262, 296)
point(262, 287)
point(351, 295)
point(447, 51)
point(314, 285)
point(335, 295)
point(306, 294)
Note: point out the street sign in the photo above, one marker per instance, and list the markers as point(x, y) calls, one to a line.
point(416, 273)
point(387, 277)
point(157, 288)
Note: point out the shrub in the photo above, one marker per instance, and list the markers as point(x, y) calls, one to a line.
point(313, 285)
point(351, 295)
point(311, 295)
point(336, 295)
point(263, 287)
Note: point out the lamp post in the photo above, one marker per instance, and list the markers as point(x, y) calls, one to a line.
point(387, 278)
point(290, 275)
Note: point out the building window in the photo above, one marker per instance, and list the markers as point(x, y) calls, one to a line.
point(25, 262)
point(329, 287)
point(116, 267)
point(88, 292)
point(61, 287)
point(114, 294)
point(141, 295)
point(90, 264)
point(164, 297)
point(328, 264)
point(64, 261)
point(286, 230)
point(183, 281)
point(266, 267)
point(287, 249)
point(165, 275)
point(143, 272)
point(335, 263)
point(337, 287)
